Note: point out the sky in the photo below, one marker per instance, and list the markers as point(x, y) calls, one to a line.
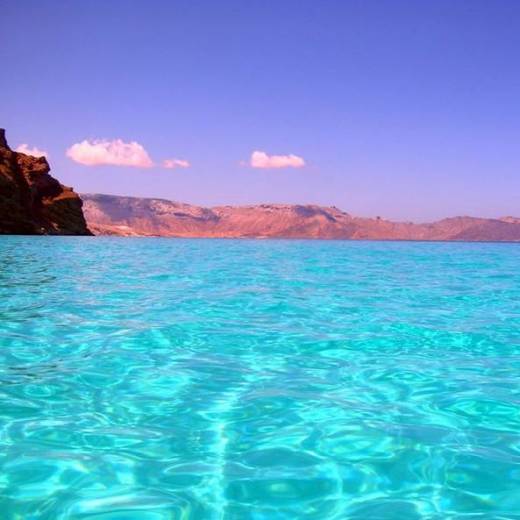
point(405, 109)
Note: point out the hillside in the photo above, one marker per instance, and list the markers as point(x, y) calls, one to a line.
point(33, 202)
point(132, 216)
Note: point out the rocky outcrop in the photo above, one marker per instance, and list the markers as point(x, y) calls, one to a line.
point(511, 220)
point(33, 202)
point(131, 216)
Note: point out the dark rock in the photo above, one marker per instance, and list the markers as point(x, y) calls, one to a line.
point(3, 142)
point(33, 202)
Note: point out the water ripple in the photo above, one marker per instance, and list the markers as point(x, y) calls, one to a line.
point(220, 379)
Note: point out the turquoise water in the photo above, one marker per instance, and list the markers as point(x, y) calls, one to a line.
point(219, 379)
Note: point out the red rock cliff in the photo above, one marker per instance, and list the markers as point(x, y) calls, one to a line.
point(33, 202)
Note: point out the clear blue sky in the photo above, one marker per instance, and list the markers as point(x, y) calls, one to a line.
point(405, 109)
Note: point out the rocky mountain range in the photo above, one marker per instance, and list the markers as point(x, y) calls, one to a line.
point(132, 216)
point(34, 202)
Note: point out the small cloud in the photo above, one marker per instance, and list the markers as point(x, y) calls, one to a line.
point(262, 160)
point(35, 152)
point(115, 152)
point(175, 163)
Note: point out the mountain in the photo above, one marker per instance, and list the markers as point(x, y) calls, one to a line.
point(32, 202)
point(132, 216)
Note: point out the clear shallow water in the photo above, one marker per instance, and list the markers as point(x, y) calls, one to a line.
point(206, 379)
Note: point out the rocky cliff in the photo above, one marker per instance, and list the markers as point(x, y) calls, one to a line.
point(32, 202)
point(130, 216)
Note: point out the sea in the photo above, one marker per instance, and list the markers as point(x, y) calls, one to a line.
point(161, 379)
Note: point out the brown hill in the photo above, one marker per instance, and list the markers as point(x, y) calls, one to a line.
point(33, 202)
point(131, 216)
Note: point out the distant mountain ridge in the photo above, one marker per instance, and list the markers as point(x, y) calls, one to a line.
point(134, 216)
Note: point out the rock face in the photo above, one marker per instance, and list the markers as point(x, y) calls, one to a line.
point(32, 202)
point(130, 216)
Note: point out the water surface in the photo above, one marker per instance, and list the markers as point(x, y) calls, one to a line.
point(220, 379)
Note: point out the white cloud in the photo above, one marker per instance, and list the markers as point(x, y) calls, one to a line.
point(262, 160)
point(115, 152)
point(175, 163)
point(35, 152)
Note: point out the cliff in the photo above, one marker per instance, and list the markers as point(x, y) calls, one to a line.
point(32, 202)
point(131, 216)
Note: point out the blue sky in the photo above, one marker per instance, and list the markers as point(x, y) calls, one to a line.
point(405, 109)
